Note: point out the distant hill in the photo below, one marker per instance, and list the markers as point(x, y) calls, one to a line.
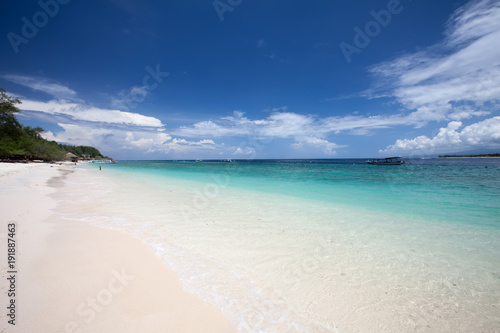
point(19, 142)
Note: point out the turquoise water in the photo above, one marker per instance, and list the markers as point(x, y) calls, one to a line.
point(463, 190)
point(315, 245)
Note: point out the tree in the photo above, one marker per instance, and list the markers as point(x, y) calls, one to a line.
point(33, 132)
point(8, 104)
point(9, 126)
point(25, 142)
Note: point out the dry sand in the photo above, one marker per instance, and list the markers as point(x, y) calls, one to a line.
point(74, 277)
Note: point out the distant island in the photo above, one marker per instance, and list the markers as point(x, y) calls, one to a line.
point(25, 143)
point(497, 155)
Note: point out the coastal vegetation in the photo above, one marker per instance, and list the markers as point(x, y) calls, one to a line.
point(18, 142)
point(470, 156)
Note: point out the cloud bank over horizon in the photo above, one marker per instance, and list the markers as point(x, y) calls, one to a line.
point(456, 79)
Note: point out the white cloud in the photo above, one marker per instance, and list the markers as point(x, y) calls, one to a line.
point(285, 124)
point(51, 88)
point(106, 129)
point(248, 152)
point(464, 68)
point(313, 145)
point(466, 112)
point(484, 134)
point(82, 112)
point(182, 146)
point(101, 138)
point(454, 80)
point(66, 104)
point(146, 141)
point(473, 21)
point(162, 143)
point(114, 140)
point(113, 130)
point(291, 125)
point(277, 125)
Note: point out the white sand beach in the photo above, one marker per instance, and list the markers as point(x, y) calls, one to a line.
point(104, 251)
point(74, 277)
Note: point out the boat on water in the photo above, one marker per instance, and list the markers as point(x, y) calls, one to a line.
point(386, 161)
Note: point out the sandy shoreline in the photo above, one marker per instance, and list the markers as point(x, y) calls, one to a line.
point(96, 249)
point(74, 277)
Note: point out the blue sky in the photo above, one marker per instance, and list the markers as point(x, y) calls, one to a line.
point(257, 79)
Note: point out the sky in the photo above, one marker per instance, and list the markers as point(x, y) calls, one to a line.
point(241, 79)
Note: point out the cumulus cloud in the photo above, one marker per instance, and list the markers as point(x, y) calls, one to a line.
point(114, 139)
point(314, 145)
point(146, 141)
point(99, 137)
point(484, 134)
point(246, 152)
point(164, 143)
point(186, 146)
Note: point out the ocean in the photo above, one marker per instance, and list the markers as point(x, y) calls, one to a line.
point(316, 245)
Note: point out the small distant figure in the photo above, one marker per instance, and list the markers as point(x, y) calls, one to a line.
point(99, 168)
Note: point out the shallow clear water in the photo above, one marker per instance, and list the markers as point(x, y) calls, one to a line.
point(317, 245)
point(452, 190)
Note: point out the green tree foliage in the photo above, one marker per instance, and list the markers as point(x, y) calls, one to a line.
point(475, 155)
point(84, 151)
point(8, 123)
point(19, 142)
